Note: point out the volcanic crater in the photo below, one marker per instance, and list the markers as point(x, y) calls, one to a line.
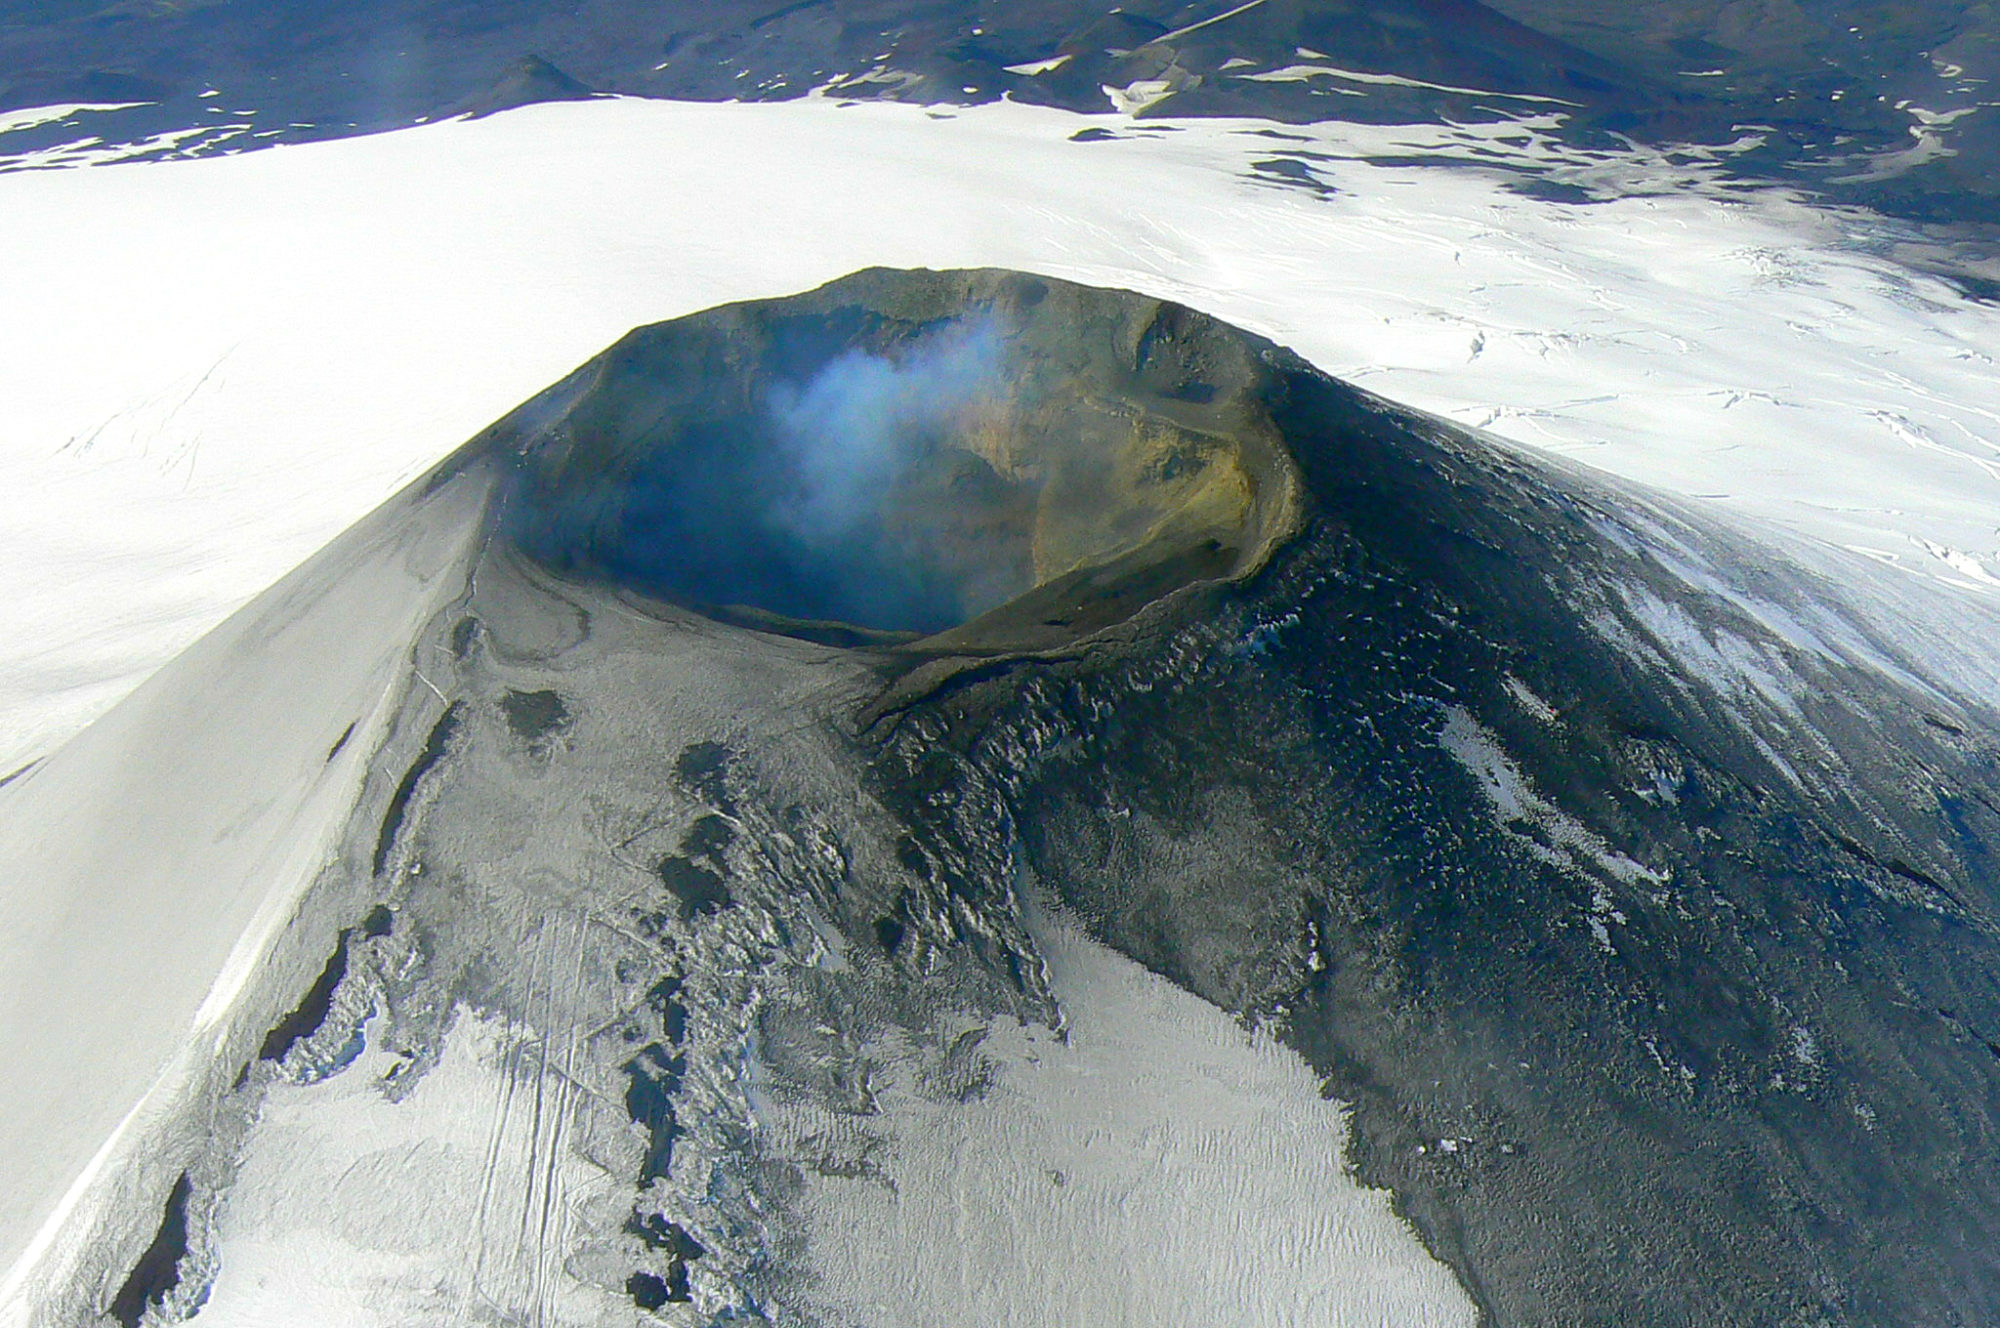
point(951, 462)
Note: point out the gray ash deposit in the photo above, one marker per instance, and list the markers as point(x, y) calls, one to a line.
point(913, 787)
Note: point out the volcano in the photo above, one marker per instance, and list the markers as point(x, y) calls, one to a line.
point(958, 797)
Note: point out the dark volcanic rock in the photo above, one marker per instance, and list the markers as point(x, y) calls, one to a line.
point(158, 1269)
point(1641, 898)
point(1637, 1027)
point(528, 80)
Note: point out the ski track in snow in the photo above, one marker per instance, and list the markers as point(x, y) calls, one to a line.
point(1153, 1134)
point(440, 1209)
point(211, 367)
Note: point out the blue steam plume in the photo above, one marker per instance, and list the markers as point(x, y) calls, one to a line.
point(856, 426)
point(831, 497)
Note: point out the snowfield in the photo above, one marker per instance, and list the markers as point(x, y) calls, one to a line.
point(1150, 1136)
point(209, 368)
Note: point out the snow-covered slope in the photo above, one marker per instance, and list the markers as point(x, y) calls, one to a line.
point(1149, 1135)
point(211, 367)
point(151, 870)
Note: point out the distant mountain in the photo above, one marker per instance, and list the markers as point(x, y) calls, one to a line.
point(1877, 103)
point(528, 80)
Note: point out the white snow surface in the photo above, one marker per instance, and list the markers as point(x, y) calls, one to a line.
point(210, 367)
point(1513, 802)
point(147, 869)
point(34, 117)
point(1153, 1136)
point(1303, 73)
point(351, 1211)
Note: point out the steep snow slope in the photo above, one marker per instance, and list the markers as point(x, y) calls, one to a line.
point(152, 867)
point(211, 367)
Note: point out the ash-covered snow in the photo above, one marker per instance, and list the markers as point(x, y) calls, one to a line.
point(456, 1140)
